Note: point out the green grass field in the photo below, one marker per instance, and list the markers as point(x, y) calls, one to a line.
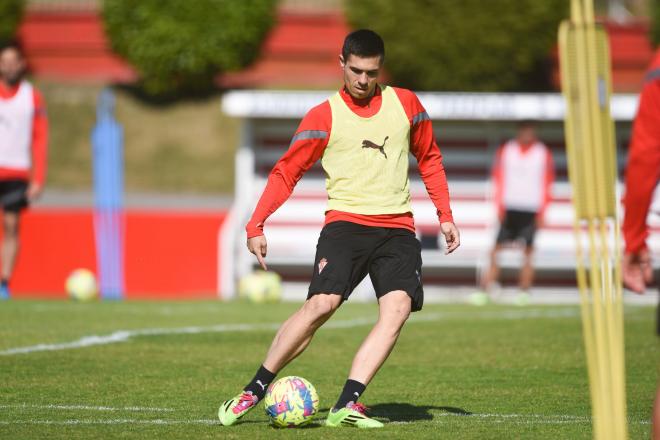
point(159, 370)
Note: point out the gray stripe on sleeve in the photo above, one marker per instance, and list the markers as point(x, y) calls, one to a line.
point(653, 74)
point(309, 134)
point(419, 117)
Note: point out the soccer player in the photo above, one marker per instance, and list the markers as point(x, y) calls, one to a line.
point(522, 175)
point(23, 143)
point(642, 175)
point(363, 135)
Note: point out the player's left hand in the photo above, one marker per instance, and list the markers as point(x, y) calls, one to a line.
point(637, 270)
point(452, 236)
point(34, 191)
point(501, 213)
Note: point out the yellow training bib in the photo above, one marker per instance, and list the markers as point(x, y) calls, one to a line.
point(366, 159)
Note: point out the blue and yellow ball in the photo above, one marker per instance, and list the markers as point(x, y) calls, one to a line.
point(291, 402)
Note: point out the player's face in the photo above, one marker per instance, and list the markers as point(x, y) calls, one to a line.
point(360, 75)
point(12, 65)
point(526, 135)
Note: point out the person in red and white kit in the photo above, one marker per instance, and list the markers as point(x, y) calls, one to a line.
point(522, 174)
point(642, 176)
point(363, 135)
point(23, 144)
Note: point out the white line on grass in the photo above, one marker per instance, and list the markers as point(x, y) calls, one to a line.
point(124, 335)
point(500, 418)
point(526, 419)
point(110, 422)
point(511, 418)
point(88, 408)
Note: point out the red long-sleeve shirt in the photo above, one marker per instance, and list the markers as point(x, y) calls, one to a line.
point(39, 140)
point(643, 169)
point(304, 151)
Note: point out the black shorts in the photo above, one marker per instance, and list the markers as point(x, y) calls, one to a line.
point(347, 252)
point(13, 195)
point(517, 225)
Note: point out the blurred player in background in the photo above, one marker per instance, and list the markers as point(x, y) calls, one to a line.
point(642, 175)
point(523, 173)
point(23, 143)
point(363, 135)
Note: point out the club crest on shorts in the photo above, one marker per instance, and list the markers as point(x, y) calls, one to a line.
point(322, 264)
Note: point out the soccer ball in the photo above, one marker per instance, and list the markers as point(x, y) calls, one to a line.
point(81, 285)
point(260, 286)
point(291, 401)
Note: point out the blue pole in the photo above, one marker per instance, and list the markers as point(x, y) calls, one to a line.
point(107, 147)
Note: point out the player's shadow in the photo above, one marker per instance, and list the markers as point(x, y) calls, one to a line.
point(312, 425)
point(405, 412)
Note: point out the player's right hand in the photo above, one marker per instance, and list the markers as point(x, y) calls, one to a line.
point(637, 270)
point(258, 246)
point(34, 191)
point(540, 221)
point(452, 236)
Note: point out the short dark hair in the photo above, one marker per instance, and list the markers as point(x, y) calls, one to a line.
point(12, 44)
point(527, 123)
point(363, 43)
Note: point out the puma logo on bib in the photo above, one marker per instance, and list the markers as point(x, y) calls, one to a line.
point(368, 144)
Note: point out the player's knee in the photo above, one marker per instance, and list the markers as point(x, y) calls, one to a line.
point(321, 306)
point(398, 309)
point(402, 312)
point(10, 232)
point(10, 224)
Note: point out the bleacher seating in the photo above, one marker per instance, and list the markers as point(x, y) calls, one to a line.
point(468, 147)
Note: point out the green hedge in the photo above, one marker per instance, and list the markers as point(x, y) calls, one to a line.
point(11, 12)
point(472, 45)
point(179, 46)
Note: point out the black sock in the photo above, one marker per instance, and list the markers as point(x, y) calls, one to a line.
point(259, 383)
point(351, 393)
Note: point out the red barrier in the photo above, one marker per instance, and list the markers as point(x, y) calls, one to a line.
point(172, 254)
point(168, 255)
point(53, 243)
